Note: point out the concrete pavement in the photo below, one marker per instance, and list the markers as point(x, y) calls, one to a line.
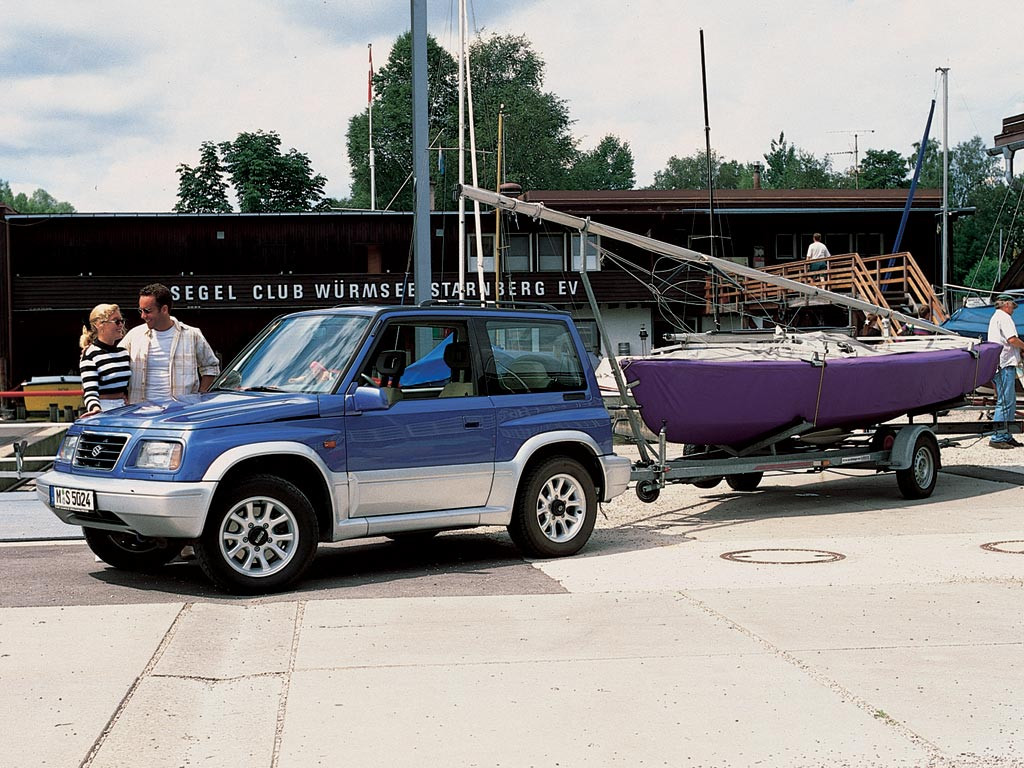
point(853, 628)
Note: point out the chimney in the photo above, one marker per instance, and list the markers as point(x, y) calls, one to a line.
point(757, 175)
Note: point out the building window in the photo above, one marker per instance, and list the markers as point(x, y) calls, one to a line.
point(550, 253)
point(515, 254)
point(488, 243)
point(785, 247)
point(593, 251)
point(869, 243)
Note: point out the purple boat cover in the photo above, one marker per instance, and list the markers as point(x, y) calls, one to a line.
point(734, 402)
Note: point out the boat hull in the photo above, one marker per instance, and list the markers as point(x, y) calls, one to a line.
point(717, 402)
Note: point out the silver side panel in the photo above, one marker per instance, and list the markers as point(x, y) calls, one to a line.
point(404, 491)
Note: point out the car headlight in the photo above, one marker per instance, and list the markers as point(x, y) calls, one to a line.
point(159, 454)
point(67, 448)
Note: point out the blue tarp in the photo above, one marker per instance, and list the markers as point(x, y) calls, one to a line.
point(973, 321)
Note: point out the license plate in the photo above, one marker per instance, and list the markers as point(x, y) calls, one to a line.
point(72, 499)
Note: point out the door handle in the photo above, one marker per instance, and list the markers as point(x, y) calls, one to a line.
point(471, 424)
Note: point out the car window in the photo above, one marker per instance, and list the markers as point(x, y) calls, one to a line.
point(420, 359)
point(532, 356)
point(301, 353)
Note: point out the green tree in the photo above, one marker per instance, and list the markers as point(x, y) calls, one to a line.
point(976, 239)
point(39, 201)
point(970, 168)
point(608, 166)
point(392, 126)
point(266, 180)
point(507, 75)
point(691, 172)
point(789, 167)
point(883, 169)
point(202, 189)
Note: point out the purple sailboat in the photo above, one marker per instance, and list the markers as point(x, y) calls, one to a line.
point(718, 394)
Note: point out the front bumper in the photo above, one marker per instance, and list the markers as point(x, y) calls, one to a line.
point(617, 471)
point(147, 507)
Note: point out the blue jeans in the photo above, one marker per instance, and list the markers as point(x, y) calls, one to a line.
point(1006, 402)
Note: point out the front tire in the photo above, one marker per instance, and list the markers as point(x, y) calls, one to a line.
point(130, 551)
point(555, 509)
point(260, 536)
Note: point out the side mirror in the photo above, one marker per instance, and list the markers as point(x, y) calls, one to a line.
point(366, 399)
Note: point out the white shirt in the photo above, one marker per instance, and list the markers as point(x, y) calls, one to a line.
point(1000, 328)
point(158, 365)
point(817, 250)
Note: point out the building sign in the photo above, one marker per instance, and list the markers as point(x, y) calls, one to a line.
point(308, 291)
point(360, 289)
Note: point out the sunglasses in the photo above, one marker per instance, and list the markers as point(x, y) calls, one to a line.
point(119, 321)
point(144, 311)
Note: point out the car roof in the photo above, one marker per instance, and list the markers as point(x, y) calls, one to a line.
point(440, 308)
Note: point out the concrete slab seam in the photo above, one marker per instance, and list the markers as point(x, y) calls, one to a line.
point(146, 672)
point(282, 704)
point(934, 753)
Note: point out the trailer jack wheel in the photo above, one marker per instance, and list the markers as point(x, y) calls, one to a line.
point(647, 491)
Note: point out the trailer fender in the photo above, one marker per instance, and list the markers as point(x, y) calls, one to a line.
point(903, 445)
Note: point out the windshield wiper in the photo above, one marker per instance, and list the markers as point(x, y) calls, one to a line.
point(262, 389)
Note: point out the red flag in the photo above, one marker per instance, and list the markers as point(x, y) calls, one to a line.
point(369, 82)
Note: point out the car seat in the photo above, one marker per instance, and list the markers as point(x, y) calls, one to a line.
point(391, 365)
point(456, 357)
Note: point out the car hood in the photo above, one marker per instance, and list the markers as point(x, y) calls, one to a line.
point(219, 409)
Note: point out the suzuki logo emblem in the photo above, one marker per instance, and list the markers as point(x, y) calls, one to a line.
point(96, 451)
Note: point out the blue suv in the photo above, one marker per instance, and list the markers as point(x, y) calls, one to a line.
point(346, 423)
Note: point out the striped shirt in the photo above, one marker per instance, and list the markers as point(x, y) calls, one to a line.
point(105, 370)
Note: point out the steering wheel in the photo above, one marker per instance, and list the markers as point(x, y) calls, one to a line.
point(368, 380)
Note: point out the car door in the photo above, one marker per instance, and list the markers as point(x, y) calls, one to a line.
point(432, 448)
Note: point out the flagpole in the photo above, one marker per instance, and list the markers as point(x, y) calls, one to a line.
point(369, 107)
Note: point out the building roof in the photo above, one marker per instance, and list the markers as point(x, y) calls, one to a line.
point(733, 200)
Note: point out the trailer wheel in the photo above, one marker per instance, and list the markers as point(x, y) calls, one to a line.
point(707, 482)
point(918, 480)
point(647, 491)
point(747, 481)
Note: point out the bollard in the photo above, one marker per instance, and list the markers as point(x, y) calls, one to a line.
point(69, 413)
point(53, 412)
point(19, 412)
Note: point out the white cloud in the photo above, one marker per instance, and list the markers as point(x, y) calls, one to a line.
point(103, 100)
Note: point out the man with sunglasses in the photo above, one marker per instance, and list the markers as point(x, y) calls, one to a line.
point(168, 357)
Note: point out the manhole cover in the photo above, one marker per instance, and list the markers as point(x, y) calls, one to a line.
point(1005, 547)
point(783, 556)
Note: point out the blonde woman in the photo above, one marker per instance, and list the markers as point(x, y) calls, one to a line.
point(105, 366)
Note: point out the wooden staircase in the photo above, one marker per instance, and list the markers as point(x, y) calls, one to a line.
point(894, 281)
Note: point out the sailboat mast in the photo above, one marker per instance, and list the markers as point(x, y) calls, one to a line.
point(711, 175)
point(540, 211)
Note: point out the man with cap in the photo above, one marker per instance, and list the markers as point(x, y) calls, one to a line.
point(1003, 331)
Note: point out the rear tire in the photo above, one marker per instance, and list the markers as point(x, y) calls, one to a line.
point(260, 536)
point(707, 482)
point(918, 480)
point(555, 509)
point(130, 551)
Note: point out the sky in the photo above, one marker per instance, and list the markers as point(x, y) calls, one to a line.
point(102, 100)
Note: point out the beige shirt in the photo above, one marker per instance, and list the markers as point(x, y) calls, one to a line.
point(191, 357)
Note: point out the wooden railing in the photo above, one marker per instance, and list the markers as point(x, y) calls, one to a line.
point(893, 281)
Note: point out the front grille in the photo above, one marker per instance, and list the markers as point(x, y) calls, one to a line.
point(99, 451)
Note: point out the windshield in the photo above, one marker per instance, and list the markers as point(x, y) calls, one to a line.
point(300, 353)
